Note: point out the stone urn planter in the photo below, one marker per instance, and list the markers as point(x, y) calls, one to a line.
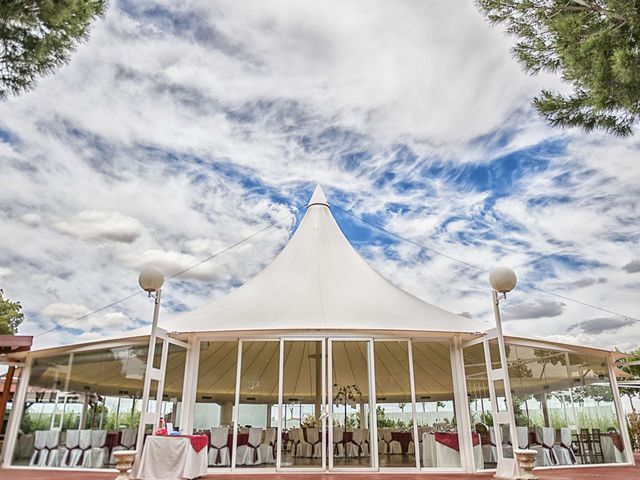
point(124, 463)
point(525, 460)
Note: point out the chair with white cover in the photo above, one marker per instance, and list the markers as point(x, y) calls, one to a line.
point(127, 442)
point(305, 448)
point(267, 447)
point(338, 441)
point(524, 443)
point(490, 450)
point(295, 437)
point(24, 445)
point(313, 437)
point(564, 452)
point(382, 445)
point(53, 443)
point(96, 456)
point(249, 454)
point(411, 448)
point(72, 448)
point(41, 451)
point(358, 446)
point(218, 450)
point(546, 437)
point(393, 447)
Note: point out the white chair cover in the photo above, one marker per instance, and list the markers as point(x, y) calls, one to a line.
point(490, 450)
point(295, 434)
point(313, 437)
point(338, 441)
point(41, 451)
point(218, 450)
point(563, 451)
point(249, 454)
point(546, 437)
point(305, 448)
point(96, 456)
point(411, 448)
point(358, 446)
point(71, 443)
point(24, 445)
point(127, 442)
point(268, 445)
point(393, 446)
point(383, 448)
point(53, 442)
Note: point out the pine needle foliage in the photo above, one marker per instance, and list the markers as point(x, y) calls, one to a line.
point(594, 45)
point(38, 36)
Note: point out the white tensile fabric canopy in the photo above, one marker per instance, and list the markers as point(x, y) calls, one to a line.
point(319, 282)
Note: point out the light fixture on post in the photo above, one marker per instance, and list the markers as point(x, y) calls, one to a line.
point(503, 280)
point(151, 281)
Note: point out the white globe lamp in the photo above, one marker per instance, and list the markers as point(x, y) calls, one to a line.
point(502, 279)
point(151, 279)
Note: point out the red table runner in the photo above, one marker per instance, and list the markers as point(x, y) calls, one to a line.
point(451, 440)
point(198, 442)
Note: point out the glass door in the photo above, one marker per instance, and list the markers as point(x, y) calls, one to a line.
point(352, 438)
point(303, 425)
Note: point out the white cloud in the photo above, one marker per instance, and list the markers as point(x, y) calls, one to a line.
point(170, 137)
point(97, 225)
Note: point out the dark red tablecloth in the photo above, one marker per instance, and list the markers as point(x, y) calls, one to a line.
point(448, 439)
point(243, 439)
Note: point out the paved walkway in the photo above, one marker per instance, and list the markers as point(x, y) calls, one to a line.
point(594, 473)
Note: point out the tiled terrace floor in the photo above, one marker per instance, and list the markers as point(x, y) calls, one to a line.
point(595, 473)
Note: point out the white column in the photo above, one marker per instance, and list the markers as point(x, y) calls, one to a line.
point(226, 413)
point(191, 365)
point(622, 421)
point(15, 417)
point(462, 406)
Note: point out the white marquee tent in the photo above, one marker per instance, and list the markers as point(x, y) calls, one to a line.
point(320, 346)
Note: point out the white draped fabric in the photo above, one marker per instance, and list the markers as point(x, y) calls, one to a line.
point(218, 451)
point(610, 452)
point(437, 455)
point(170, 458)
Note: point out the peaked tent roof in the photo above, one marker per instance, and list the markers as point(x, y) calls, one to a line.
point(318, 281)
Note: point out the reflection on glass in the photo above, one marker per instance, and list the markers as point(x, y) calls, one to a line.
point(563, 405)
point(437, 429)
point(302, 400)
point(350, 403)
point(215, 397)
point(482, 430)
point(394, 414)
point(172, 392)
point(77, 400)
point(257, 410)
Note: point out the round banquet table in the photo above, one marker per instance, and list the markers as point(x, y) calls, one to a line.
point(171, 458)
point(441, 450)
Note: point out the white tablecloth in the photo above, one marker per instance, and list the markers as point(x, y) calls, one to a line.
point(170, 458)
point(437, 455)
point(610, 452)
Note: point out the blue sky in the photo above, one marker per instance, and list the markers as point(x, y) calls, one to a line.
point(180, 128)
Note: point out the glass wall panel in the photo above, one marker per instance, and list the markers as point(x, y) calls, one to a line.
point(215, 397)
point(475, 370)
point(435, 415)
point(173, 383)
point(81, 399)
point(350, 404)
point(563, 404)
point(394, 412)
point(302, 402)
point(258, 407)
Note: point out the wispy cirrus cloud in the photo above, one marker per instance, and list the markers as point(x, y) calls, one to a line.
point(180, 128)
